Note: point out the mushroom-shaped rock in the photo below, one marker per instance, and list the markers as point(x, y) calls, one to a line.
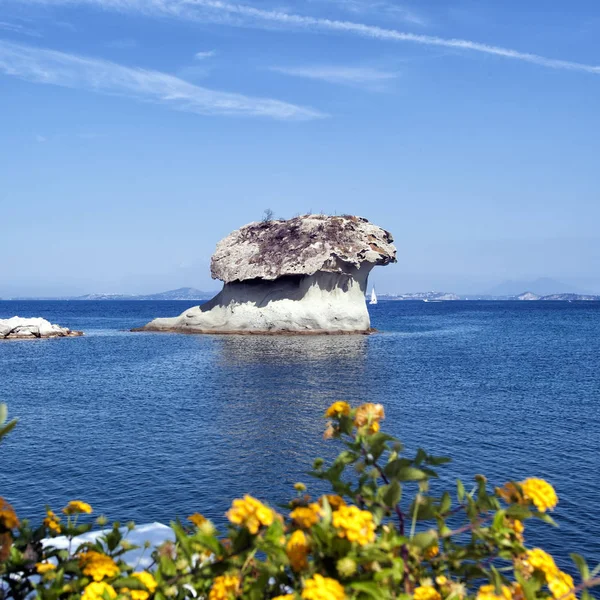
point(302, 275)
point(33, 328)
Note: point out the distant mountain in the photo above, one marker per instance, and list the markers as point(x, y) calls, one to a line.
point(185, 293)
point(560, 297)
point(544, 286)
point(425, 296)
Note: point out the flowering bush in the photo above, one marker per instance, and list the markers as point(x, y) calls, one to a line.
point(369, 539)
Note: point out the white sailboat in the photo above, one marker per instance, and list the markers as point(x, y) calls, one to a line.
point(373, 296)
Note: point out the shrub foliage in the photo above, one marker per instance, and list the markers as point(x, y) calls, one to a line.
point(381, 534)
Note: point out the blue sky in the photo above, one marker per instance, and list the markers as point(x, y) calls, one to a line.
point(134, 134)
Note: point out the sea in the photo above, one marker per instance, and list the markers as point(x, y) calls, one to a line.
point(152, 427)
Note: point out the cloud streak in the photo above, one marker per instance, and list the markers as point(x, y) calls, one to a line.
point(205, 54)
point(364, 77)
point(14, 28)
point(246, 15)
point(44, 66)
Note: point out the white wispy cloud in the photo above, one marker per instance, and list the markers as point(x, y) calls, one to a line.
point(366, 77)
point(41, 65)
point(16, 28)
point(246, 15)
point(384, 8)
point(204, 55)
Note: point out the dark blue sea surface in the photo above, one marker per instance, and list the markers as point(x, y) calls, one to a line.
point(149, 426)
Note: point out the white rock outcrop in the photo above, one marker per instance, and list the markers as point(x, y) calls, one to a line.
point(32, 328)
point(303, 275)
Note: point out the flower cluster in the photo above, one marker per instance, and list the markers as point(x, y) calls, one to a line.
point(323, 588)
point(297, 550)
point(541, 493)
point(52, 521)
point(75, 507)
point(8, 516)
point(98, 591)
point(369, 415)
point(250, 513)
point(354, 524)
point(224, 587)
point(426, 592)
point(306, 516)
point(97, 565)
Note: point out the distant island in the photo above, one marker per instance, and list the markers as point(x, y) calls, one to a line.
point(184, 293)
point(527, 296)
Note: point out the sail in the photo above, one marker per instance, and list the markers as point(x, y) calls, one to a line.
point(373, 297)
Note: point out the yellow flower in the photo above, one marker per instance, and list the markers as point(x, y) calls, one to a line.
point(8, 516)
point(148, 580)
point(334, 500)
point(441, 580)
point(354, 524)
point(369, 415)
point(97, 565)
point(44, 567)
point(224, 587)
point(297, 550)
point(197, 519)
point(540, 492)
point(250, 513)
point(432, 551)
point(97, 591)
point(323, 588)
point(426, 592)
point(77, 507)
point(488, 592)
point(517, 526)
point(562, 585)
point(542, 561)
point(52, 522)
point(337, 409)
point(306, 516)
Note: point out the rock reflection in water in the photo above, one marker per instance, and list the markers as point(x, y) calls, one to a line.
point(270, 393)
point(295, 348)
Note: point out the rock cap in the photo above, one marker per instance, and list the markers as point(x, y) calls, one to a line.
point(303, 245)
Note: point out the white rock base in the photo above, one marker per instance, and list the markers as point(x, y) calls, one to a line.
point(321, 303)
point(33, 328)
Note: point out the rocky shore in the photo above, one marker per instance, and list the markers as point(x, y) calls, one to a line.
point(306, 275)
point(33, 328)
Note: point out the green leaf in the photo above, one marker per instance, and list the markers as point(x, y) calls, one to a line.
point(546, 518)
point(420, 457)
point(7, 428)
point(445, 503)
point(499, 519)
point(410, 474)
point(346, 457)
point(437, 461)
point(370, 588)
point(392, 468)
point(460, 490)
point(425, 539)
point(518, 512)
point(392, 494)
point(584, 570)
